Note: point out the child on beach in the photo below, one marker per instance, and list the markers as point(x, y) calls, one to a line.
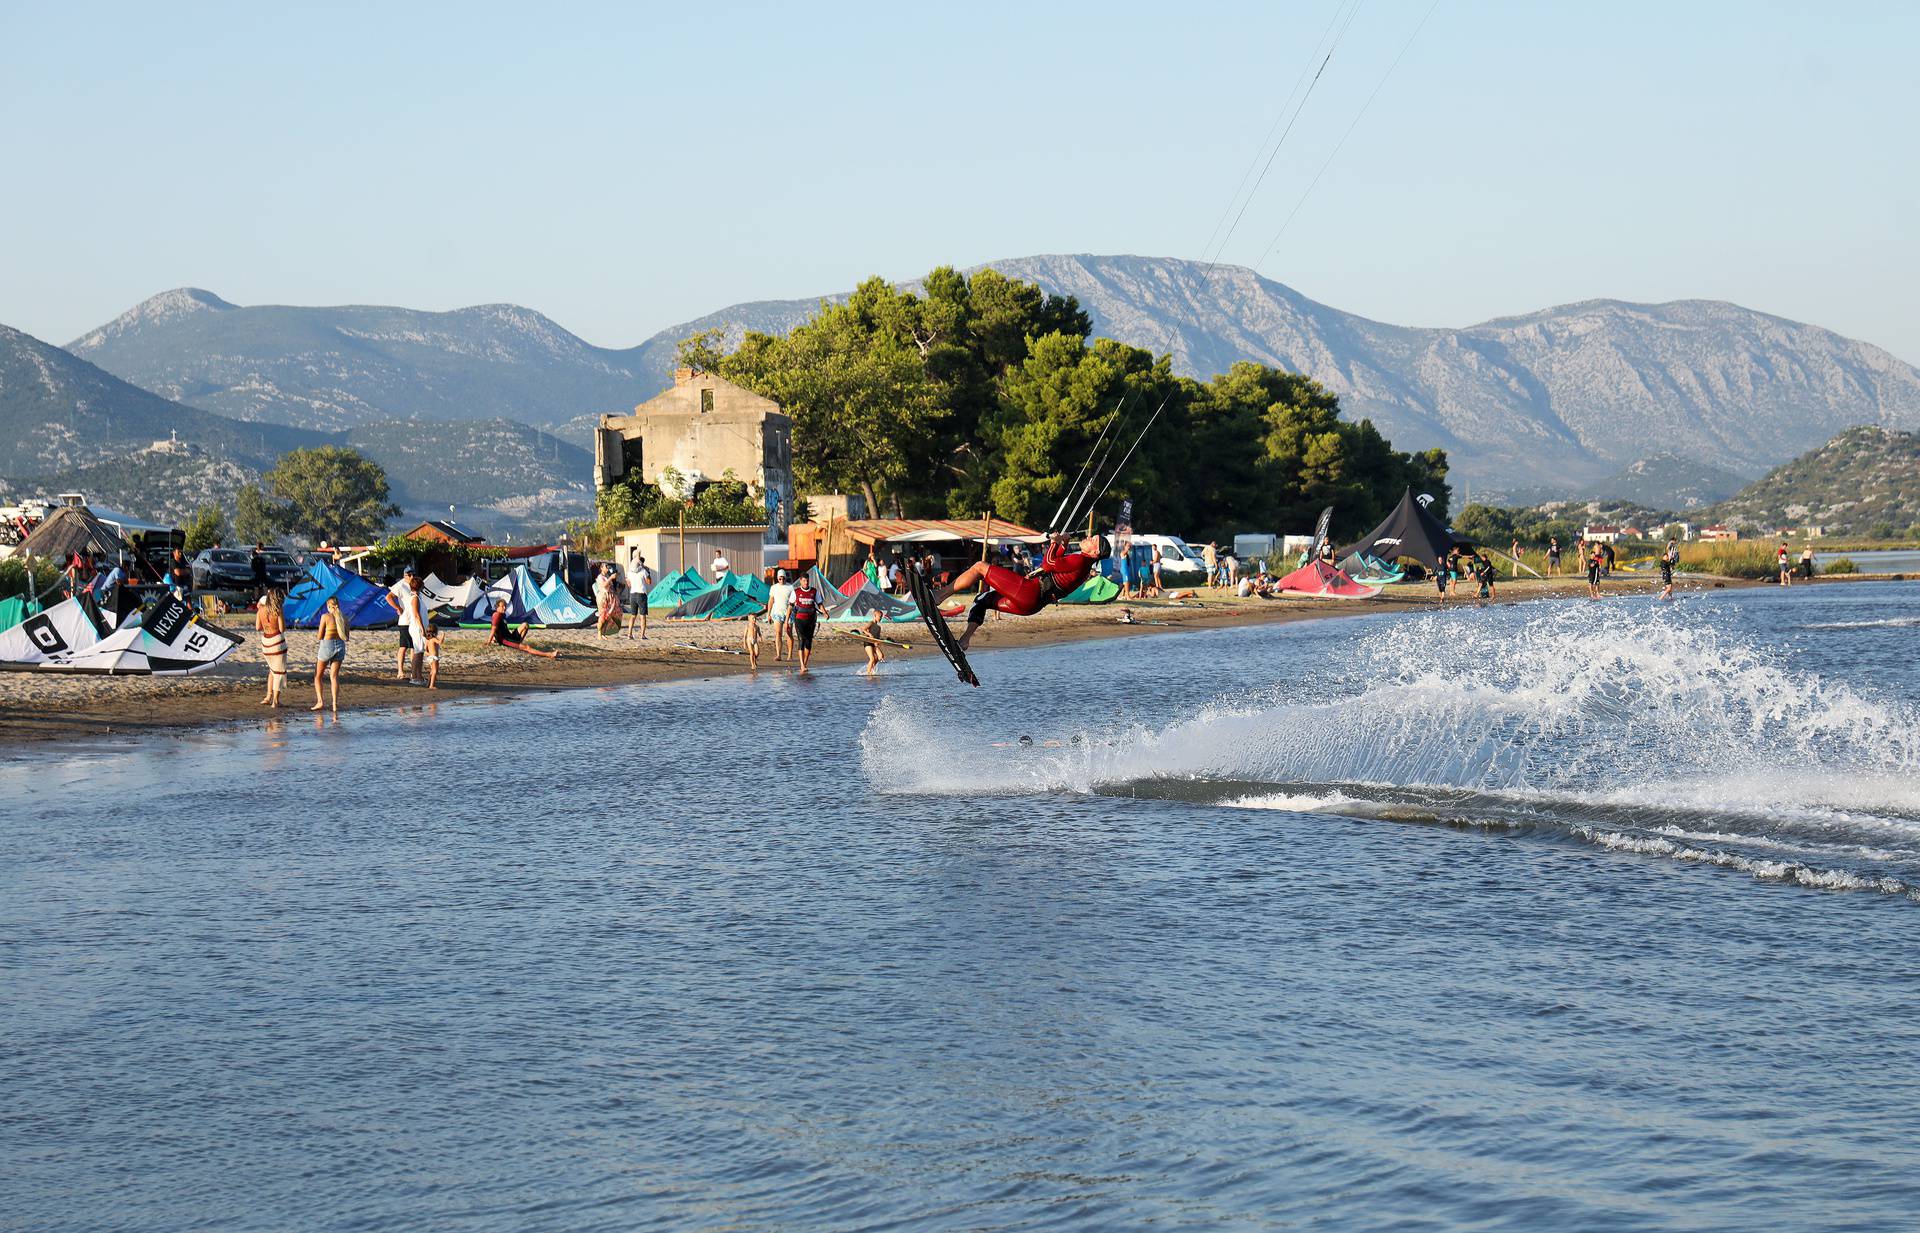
point(751, 639)
point(436, 638)
point(871, 631)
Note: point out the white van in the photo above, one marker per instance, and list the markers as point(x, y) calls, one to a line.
point(1180, 564)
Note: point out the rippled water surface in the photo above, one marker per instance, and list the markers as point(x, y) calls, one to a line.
point(1544, 917)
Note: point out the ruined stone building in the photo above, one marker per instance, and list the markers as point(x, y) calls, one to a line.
point(703, 427)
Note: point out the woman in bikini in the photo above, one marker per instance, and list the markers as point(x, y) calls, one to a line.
point(329, 654)
point(272, 626)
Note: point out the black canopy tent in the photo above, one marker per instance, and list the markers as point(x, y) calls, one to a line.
point(1409, 531)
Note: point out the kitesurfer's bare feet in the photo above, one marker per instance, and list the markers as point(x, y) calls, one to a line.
point(318, 706)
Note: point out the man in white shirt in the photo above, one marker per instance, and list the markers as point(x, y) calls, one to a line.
point(404, 599)
point(639, 582)
point(719, 567)
point(780, 612)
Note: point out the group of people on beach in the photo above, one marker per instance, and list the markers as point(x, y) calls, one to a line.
point(420, 641)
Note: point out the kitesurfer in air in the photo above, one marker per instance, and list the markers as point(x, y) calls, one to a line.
point(1062, 570)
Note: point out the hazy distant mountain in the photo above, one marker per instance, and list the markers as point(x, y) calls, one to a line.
point(489, 470)
point(58, 411)
point(1567, 393)
point(1667, 482)
point(1866, 481)
point(1558, 400)
point(164, 482)
point(67, 426)
point(332, 368)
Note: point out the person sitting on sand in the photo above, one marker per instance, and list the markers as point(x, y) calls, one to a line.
point(329, 653)
point(513, 639)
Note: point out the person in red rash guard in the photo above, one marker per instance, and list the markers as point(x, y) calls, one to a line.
point(1060, 572)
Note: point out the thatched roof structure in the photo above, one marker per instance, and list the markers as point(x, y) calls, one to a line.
point(71, 529)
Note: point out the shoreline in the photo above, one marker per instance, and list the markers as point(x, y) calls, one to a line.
point(37, 709)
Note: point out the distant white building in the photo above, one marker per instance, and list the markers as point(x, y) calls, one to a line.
point(1600, 533)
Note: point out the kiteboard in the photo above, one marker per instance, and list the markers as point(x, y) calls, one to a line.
point(922, 589)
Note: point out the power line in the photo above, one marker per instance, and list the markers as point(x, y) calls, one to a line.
point(1279, 116)
point(1326, 60)
point(1405, 47)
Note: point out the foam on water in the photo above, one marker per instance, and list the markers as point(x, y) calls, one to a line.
point(1615, 719)
point(1902, 622)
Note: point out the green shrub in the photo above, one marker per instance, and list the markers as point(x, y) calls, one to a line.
point(1753, 559)
point(1841, 565)
point(14, 574)
point(406, 549)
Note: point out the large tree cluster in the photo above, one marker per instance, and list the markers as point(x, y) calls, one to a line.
point(985, 394)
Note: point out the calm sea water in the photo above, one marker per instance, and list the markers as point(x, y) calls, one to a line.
point(1545, 917)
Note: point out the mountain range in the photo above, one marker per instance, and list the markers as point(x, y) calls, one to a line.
point(1866, 481)
point(65, 425)
point(1567, 399)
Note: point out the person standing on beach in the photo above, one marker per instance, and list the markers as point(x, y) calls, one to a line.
point(1783, 565)
point(1594, 561)
point(871, 567)
point(430, 654)
point(639, 582)
point(750, 640)
point(1607, 550)
point(258, 560)
point(780, 612)
point(329, 653)
point(1154, 565)
point(179, 575)
point(1806, 563)
point(1440, 573)
point(606, 594)
point(1668, 559)
point(404, 599)
point(806, 613)
point(1210, 557)
point(1553, 557)
point(719, 567)
point(1514, 552)
point(271, 624)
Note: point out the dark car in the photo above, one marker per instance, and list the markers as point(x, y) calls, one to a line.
point(223, 569)
point(283, 568)
point(231, 569)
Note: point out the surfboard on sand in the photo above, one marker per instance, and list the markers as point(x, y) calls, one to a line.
point(937, 626)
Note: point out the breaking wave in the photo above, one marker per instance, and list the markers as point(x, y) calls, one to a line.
point(1636, 730)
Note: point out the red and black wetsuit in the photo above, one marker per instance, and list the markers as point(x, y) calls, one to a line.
point(1061, 572)
point(804, 610)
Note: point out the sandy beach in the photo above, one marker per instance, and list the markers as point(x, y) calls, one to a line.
point(49, 707)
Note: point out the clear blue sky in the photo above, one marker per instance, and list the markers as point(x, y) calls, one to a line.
point(624, 169)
